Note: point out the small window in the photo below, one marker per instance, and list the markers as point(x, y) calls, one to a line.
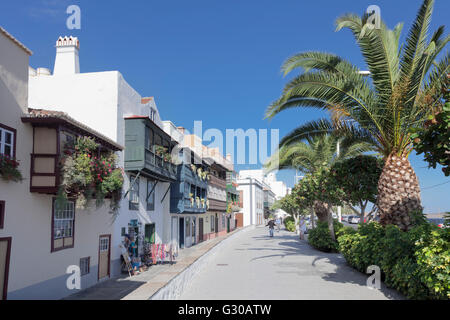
point(151, 195)
point(134, 193)
point(2, 213)
point(149, 138)
point(63, 226)
point(7, 137)
point(85, 265)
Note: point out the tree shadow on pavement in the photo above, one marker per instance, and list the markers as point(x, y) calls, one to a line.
point(321, 262)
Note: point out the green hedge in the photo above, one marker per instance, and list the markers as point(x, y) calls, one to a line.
point(320, 237)
point(416, 263)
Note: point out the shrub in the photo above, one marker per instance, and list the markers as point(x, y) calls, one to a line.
point(320, 237)
point(290, 225)
point(416, 263)
point(288, 219)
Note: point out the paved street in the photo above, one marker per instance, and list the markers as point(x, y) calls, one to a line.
point(253, 266)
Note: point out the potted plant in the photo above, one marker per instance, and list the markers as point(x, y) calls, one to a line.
point(191, 197)
point(194, 168)
point(160, 151)
point(8, 168)
point(197, 199)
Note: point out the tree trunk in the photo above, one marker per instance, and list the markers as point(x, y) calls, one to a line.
point(398, 192)
point(296, 218)
point(321, 209)
point(331, 225)
point(313, 225)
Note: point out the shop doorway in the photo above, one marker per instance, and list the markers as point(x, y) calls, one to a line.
point(216, 226)
point(5, 253)
point(174, 233)
point(200, 229)
point(181, 230)
point(149, 233)
point(104, 256)
point(188, 232)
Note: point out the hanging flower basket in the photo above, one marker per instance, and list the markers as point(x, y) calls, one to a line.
point(86, 176)
point(8, 169)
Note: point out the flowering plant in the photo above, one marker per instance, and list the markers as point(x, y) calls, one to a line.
point(87, 173)
point(8, 168)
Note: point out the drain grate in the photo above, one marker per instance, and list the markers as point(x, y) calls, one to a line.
point(222, 264)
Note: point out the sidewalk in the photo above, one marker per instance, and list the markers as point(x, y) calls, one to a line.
point(146, 284)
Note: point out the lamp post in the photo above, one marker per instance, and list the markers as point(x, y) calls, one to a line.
point(339, 207)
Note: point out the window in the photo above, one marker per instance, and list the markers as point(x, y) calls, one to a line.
point(134, 193)
point(151, 197)
point(7, 138)
point(2, 213)
point(85, 265)
point(63, 226)
point(212, 223)
point(149, 138)
point(223, 221)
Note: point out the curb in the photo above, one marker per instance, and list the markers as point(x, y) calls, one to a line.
point(175, 287)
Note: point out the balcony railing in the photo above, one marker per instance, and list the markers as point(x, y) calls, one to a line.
point(159, 166)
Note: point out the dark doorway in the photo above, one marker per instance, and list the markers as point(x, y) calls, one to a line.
point(200, 229)
point(150, 233)
point(181, 229)
point(216, 227)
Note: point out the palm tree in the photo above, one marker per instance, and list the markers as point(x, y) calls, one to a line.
point(403, 88)
point(311, 155)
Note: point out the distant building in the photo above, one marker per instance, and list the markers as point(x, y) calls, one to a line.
point(278, 188)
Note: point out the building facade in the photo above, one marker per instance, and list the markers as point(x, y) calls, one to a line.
point(253, 201)
point(105, 101)
point(39, 240)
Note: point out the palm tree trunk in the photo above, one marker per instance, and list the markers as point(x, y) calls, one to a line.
point(398, 192)
point(321, 209)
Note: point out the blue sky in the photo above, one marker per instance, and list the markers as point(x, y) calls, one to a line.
point(215, 61)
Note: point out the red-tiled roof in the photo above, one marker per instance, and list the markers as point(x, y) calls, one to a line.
point(146, 100)
point(42, 115)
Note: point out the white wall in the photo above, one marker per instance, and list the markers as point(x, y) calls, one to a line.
point(253, 198)
point(101, 100)
point(28, 215)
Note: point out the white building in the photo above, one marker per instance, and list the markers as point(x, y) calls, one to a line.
point(106, 102)
point(279, 188)
point(253, 200)
point(38, 242)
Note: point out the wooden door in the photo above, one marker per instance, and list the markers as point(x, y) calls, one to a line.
point(5, 252)
point(104, 256)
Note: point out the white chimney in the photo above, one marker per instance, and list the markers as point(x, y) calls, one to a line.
point(67, 60)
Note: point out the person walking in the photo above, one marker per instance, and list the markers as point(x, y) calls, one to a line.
point(271, 225)
point(302, 226)
point(278, 223)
